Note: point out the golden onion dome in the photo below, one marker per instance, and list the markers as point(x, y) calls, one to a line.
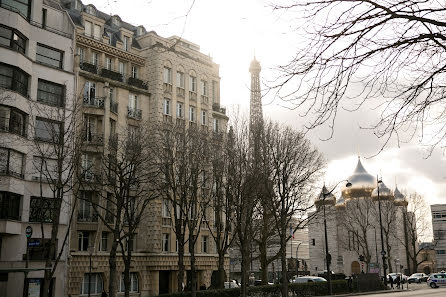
point(384, 192)
point(329, 200)
point(340, 203)
point(362, 183)
point(400, 199)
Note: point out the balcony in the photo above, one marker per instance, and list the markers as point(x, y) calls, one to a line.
point(94, 138)
point(90, 176)
point(97, 102)
point(181, 92)
point(89, 67)
point(217, 108)
point(134, 113)
point(167, 88)
point(180, 122)
point(204, 99)
point(137, 83)
point(111, 74)
point(167, 118)
point(193, 96)
point(114, 106)
point(87, 216)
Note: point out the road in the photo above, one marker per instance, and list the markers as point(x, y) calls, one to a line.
point(416, 290)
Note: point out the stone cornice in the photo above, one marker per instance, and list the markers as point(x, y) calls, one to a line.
point(95, 44)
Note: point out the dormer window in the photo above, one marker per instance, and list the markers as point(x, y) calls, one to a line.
point(90, 10)
point(77, 5)
point(126, 44)
point(140, 31)
point(116, 21)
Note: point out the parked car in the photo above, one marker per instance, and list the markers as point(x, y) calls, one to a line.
point(308, 279)
point(417, 278)
point(436, 280)
point(231, 284)
point(258, 282)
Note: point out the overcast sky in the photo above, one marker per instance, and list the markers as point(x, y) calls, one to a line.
point(231, 31)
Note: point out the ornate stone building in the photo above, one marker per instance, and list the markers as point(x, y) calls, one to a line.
point(127, 77)
point(353, 228)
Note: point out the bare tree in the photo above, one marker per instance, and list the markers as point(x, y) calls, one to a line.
point(55, 150)
point(293, 165)
point(358, 51)
point(124, 181)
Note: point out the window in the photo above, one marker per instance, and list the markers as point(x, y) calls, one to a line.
point(13, 120)
point(204, 88)
point(109, 35)
point(43, 209)
point(87, 165)
point(133, 101)
point(313, 241)
point(50, 93)
point(204, 117)
point(104, 242)
point(10, 206)
point(89, 91)
point(44, 168)
point(83, 240)
point(167, 75)
point(13, 39)
point(81, 53)
point(88, 26)
point(126, 44)
point(166, 208)
point(134, 71)
point(441, 252)
point(94, 58)
point(95, 286)
point(133, 283)
point(12, 162)
point(86, 212)
point(214, 91)
point(165, 243)
point(39, 250)
point(49, 56)
point(192, 113)
point(22, 7)
point(204, 244)
point(44, 15)
point(97, 32)
point(166, 107)
point(180, 110)
point(108, 63)
point(47, 130)
point(130, 243)
point(193, 84)
point(122, 67)
point(216, 125)
point(14, 78)
point(180, 79)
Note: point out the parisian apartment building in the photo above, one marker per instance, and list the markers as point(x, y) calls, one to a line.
point(66, 55)
point(439, 229)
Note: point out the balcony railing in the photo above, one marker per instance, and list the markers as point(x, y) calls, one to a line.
point(167, 118)
point(192, 95)
point(97, 102)
point(134, 113)
point(204, 99)
point(114, 106)
point(89, 67)
point(10, 172)
point(137, 83)
point(111, 74)
point(180, 122)
point(87, 216)
point(90, 176)
point(217, 108)
point(180, 92)
point(167, 88)
point(94, 138)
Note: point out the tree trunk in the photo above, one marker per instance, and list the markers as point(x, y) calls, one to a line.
point(180, 280)
point(283, 262)
point(193, 271)
point(406, 241)
point(263, 260)
point(244, 268)
point(221, 270)
point(112, 285)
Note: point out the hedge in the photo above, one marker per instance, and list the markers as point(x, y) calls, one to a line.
point(295, 290)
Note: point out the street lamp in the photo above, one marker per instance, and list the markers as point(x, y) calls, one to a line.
point(383, 252)
point(297, 259)
point(327, 254)
point(90, 252)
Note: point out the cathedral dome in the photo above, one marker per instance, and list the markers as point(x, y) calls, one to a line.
point(384, 192)
point(362, 182)
point(340, 203)
point(329, 200)
point(400, 199)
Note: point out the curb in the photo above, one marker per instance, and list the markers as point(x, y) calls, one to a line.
point(368, 293)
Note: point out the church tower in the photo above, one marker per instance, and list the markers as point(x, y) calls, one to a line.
point(255, 108)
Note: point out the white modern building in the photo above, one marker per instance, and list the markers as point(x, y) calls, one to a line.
point(36, 84)
point(439, 229)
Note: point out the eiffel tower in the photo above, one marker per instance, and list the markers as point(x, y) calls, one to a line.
point(255, 108)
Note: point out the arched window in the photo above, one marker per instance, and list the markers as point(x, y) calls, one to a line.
point(96, 284)
point(133, 283)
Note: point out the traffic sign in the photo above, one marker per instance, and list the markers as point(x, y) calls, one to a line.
point(28, 231)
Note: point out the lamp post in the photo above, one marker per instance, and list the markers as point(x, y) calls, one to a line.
point(297, 259)
point(383, 252)
point(90, 252)
point(327, 254)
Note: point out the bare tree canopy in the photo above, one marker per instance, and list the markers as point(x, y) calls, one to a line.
point(386, 55)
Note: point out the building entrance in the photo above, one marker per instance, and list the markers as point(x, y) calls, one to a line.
point(356, 268)
point(164, 277)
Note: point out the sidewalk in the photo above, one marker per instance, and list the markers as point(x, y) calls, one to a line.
point(369, 293)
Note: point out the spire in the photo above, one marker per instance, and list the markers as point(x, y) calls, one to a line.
point(256, 113)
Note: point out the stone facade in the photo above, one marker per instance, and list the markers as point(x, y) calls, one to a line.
point(439, 228)
point(36, 82)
